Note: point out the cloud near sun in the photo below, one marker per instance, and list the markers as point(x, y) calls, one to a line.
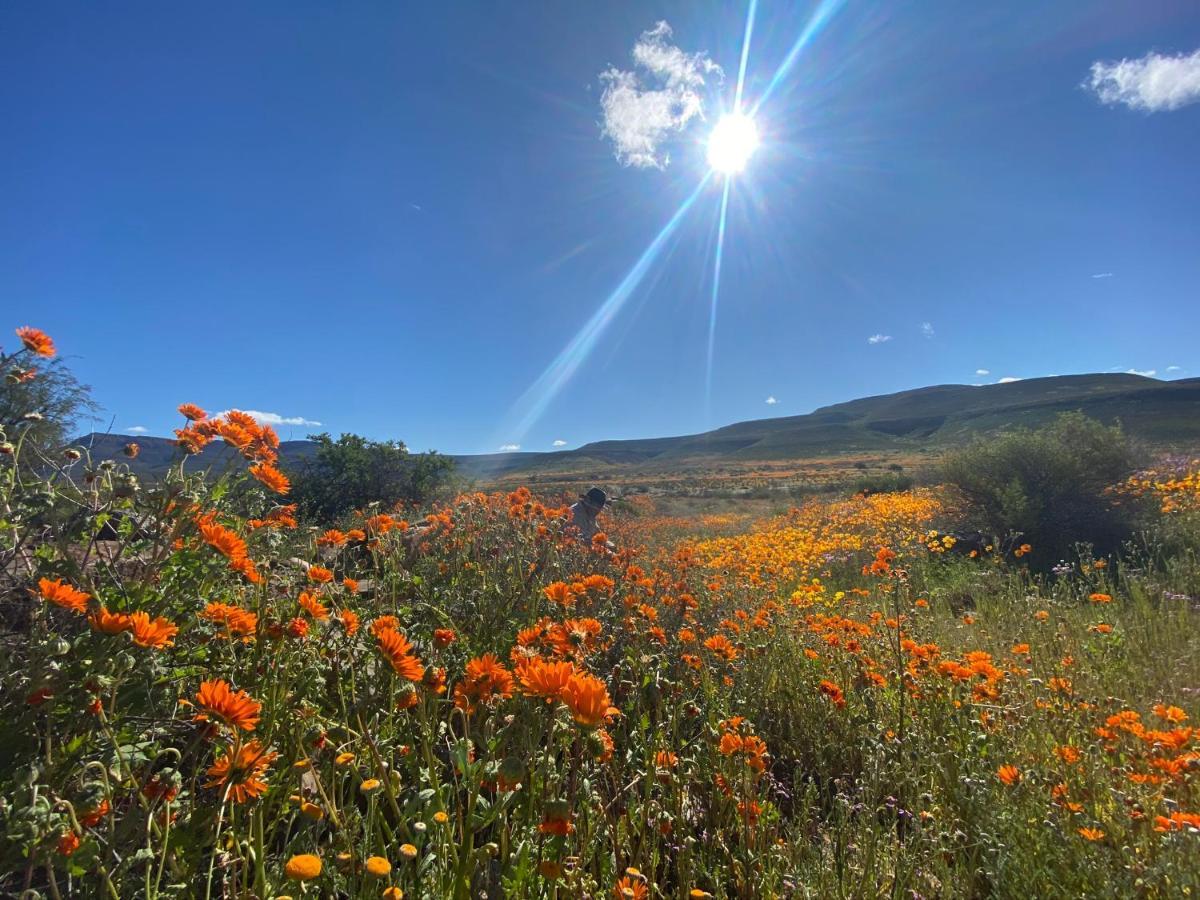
point(665, 91)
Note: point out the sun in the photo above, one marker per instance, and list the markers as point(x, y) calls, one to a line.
point(732, 143)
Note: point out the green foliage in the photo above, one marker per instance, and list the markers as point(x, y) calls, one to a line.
point(883, 483)
point(41, 412)
point(1049, 485)
point(353, 472)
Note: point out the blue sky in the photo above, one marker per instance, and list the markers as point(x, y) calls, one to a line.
point(392, 218)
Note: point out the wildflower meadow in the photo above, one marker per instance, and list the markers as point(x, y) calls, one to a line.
point(206, 696)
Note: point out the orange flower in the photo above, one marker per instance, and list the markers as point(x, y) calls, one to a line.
point(303, 867)
point(485, 678)
point(350, 584)
point(720, 645)
point(62, 594)
point(349, 620)
point(1172, 714)
point(109, 622)
point(385, 623)
point(235, 709)
point(574, 637)
point(95, 816)
point(833, 692)
point(1091, 834)
point(192, 412)
point(443, 637)
point(398, 651)
point(556, 819)
point(1100, 598)
point(1010, 775)
point(587, 698)
point(630, 888)
point(240, 771)
point(68, 844)
point(155, 634)
point(542, 678)
point(331, 538)
point(236, 620)
point(319, 574)
point(311, 604)
point(271, 477)
point(36, 341)
point(131, 450)
point(559, 592)
point(298, 627)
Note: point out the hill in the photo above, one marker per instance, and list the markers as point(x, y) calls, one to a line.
point(1165, 413)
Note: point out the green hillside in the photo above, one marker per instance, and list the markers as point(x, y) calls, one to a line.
point(1163, 413)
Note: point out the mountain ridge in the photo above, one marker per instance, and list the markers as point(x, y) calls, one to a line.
point(1159, 412)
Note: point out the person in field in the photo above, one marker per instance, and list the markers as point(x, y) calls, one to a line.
point(584, 512)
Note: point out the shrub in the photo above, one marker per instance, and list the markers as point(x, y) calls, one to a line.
point(884, 483)
point(1050, 485)
point(353, 472)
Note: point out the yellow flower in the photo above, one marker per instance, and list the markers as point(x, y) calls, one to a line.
point(343, 759)
point(312, 811)
point(371, 784)
point(440, 817)
point(378, 866)
point(392, 893)
point(408, 851)
point(303, 867)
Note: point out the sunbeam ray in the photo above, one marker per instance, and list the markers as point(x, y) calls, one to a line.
point(547, 386)
point(712, 308)
point(824, 12)
point(741, 82)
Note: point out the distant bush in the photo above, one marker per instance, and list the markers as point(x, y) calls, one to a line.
point(1051, 485)
point(352, 472)
point(884, 483)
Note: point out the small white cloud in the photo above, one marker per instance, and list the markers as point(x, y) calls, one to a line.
point(1174, 368)
point(927, 329)
point(1145, 373)
point(136, 429)
point(560, 443)
point(639, 117)
point(1103, 275)
point(983, 372)
point(771, 401)
point(878, 338)
point(509, 448)
point(270, 418)
point(1151, 83)
point(1007, 379)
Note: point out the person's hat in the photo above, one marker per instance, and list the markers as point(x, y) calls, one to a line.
point(595, 497)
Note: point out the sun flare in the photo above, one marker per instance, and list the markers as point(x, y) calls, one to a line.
point(732, 143)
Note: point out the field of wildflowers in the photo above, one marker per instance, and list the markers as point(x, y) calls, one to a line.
point(205, 697)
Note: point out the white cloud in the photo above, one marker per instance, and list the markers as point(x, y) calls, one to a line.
point(136, 429)
point(1146, 373)
point(1007, 379)
point(1174, 368)
point(560, 443)
point(270, 418)
point(983, 371)
point(1152, 83)
point(927, 329)
point(640, 113)
point(1103, 275)
point(771, 401)
point(509, 448)
point(878, 338)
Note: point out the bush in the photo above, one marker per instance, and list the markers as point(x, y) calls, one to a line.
point(884, 483)
point(352, 472)
point(1050, 485)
